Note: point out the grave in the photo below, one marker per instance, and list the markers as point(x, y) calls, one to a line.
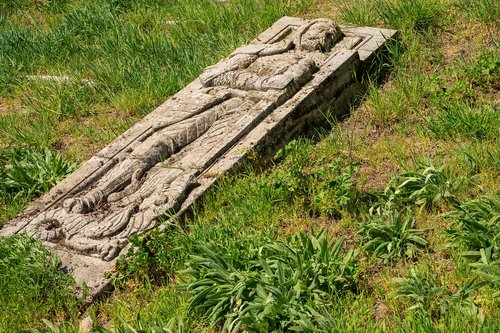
point(249, 104)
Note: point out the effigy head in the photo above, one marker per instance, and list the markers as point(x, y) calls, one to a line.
point(318, 35)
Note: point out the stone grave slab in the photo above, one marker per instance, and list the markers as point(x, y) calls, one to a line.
point(258, 98)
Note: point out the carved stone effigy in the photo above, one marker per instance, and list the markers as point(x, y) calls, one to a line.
point(260, 96)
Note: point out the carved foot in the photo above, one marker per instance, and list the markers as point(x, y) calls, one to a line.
point(110, 251)
point(85, 204)
point(106, 249)
point(48, 230)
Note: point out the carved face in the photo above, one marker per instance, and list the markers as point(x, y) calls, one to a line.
point(320, 36)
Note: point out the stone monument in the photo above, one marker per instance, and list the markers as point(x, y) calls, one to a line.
point(259, 97)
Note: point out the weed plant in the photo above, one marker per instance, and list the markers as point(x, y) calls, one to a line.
point(25, 174)
point(392, 235)
point(467, 81)
point(269, 288)
point(323, 189)
point(425, 187)
point(477, 228)
point(30, 173)
point(423, 292)
point(459, 111)
point(484, 71)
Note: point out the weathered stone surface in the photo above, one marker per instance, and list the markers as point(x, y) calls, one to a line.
point(85, 325)
point(259, 97)
point(59, 79)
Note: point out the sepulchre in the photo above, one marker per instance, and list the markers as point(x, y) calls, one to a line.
point(256, 99)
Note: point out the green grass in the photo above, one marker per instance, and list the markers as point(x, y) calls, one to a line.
point(408, 181)
point(464, 121)
point(32, 288)
point(135, 53)
point(487, 11)
point(415, 16)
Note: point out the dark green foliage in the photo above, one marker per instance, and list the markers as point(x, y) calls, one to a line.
point(29, 173)
point(422, 292)
point(426, 187)
point(477, 228)
point(392, 235)
point(269, 287)
point(25, 174)
point(32, 284)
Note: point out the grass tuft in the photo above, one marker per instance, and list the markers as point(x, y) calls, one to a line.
point(487, 11)
point(392, 235)
point(477, 228)
point(361, 13)
point(32, 285)
point(413, 16)
point(462, 120)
